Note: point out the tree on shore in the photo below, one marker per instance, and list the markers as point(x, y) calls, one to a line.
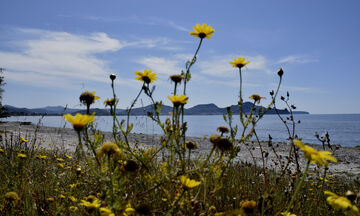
point(3, 110)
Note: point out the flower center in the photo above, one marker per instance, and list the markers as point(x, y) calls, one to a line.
point(146, 79)
point(240, 65)
point(202, 35)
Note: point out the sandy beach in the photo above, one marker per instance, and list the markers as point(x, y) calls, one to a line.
point(66, 139)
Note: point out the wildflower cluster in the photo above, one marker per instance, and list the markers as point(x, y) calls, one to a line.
point(116, 174)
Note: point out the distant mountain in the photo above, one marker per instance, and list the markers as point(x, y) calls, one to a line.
point(201, 109)
point(49, 110)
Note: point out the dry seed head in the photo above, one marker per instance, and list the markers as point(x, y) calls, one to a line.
point(223, 144)
point(87, 98)
point(223, 129)
point(190, 145)
point(131, 166)
point(176, 78)
point(143, 209)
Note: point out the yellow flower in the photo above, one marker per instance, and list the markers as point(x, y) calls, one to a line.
point(341, 203)
point(202, 31)
point(73, 185)
point(20, 155)
point(50, 199)
point(1, 150)
point(41, 156)
point(61, 165)
point(212, 208)
point(61, 196)
point(188, 183)
point(178, 100)
point(318, 157)
point(110, 102)
point(91, 204)
point(23, 140)
point(108, 148)
point(128, 209)
point(73, 208)
point(147, 76)
point(72, 198)
point(105, 211)
point(79, 121)
point(68, 156)
point(88, 98)
point(256, 98)
point(60, 159)
point(287, 214)
point(239, 62)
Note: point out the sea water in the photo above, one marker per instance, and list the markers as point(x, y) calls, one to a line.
point(344, 129)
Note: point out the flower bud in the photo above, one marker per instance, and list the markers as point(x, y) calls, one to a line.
point(112, 76)
point(280, 72)
point(350, 195)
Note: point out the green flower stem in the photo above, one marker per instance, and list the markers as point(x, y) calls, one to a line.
point(113, 111)
point(208, 157)
point(88, 109)
point(241, 99)
point(262, 158)
point(133, 104)
point(89, 145)
point(193, 60)
point(272, 101)
point(175, 203)
point(298, 187)
point(80, 149)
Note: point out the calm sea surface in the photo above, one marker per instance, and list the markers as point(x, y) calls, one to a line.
point(344, 129)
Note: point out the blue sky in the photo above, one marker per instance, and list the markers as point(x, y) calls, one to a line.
point(54, 50)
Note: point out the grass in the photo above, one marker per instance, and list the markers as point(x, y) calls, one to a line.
point(45, 187)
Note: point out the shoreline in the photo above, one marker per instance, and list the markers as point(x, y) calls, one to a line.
point(65, 139)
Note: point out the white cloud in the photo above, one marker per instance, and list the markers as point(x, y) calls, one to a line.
point(138, 20)
point(165, 22)
point(299, 59)
point(164, 66)
point(56, 56)
point(231, 83)
point(219, 65)
point(149, 42)
point(49, 58)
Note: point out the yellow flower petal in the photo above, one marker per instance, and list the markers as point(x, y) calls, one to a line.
point(178, 100)
point(147, 76)
point(202, 31)
point(188, 183)
point(80, 121)
point(239, 62)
